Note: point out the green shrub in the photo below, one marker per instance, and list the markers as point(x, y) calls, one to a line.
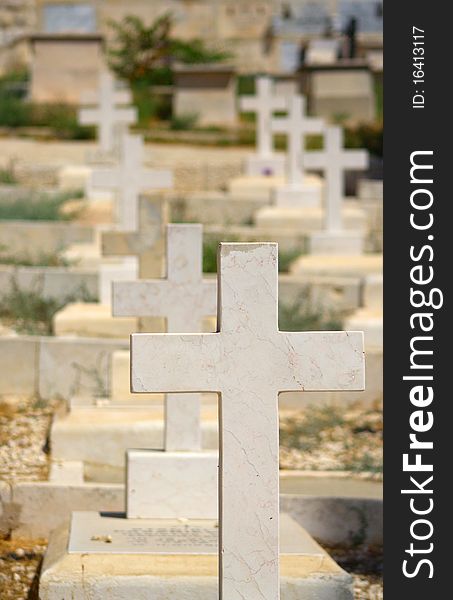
point(42, 208)
point(285, 258)
point(183, 122)
point(26, 260)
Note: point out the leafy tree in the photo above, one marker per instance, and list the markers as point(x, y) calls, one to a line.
point(143, 53)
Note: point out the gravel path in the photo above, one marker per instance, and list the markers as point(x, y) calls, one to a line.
point(24, 426)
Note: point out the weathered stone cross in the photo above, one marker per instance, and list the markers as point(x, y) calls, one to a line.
point(264, 104)
point(334, 160)
point(129, 178)
point(147, 243)
point(248, 362)
point(296, 125)
point(184, 299)
point(107, 115)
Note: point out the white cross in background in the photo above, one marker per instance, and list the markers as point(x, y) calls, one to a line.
point(334, 160)
point(296, 126)
point(107, 113)
point(248, 362)
point(184, 299)
point(129, 179)
point(264, 104)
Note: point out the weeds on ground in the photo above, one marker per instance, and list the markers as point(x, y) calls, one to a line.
point(30, 312)
point(42, 208)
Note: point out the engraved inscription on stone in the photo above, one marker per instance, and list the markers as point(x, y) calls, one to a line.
point(163, 538)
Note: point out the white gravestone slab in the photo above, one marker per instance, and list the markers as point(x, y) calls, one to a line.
point(184, 299)
point(296, 125)
point(104, 533)
point(264, 104)
point(129, 179)
point(334, 160)
point(248, 362)
point(109, 116)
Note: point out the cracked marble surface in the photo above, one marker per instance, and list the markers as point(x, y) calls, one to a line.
point(248, 362)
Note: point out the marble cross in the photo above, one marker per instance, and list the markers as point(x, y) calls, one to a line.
point(248, 362)
point(296, 125)
point(264, 104)
point(129, 178)
point(108, 116)
point(184, 299)
point(334, 160)
point(147, 243)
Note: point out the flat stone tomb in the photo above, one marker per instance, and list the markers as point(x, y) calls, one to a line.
point(147, 242)
point(248, 362)
point(94, 533)
point(129, 179)
point(184, 299)
point(107, 115)
point(264, 104)
point(296, 125)
point(334, 160)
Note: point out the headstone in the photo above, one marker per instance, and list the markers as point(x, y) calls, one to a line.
point(334, 160)
point(110, 115)
point(129, 179)
point(296, 126)
point(184, 299)
point(147, 242)
point(55, 76)
point(207, 93)
point(322, 52)
point(248, 362)
point(264, 104)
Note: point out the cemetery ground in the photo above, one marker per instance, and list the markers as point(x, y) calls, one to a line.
point(321, 438)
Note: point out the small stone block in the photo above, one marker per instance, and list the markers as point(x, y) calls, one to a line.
point(336, 243)
point(172, 485)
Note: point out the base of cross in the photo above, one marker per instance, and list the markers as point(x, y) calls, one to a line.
point(337, 243)
point(156, 559)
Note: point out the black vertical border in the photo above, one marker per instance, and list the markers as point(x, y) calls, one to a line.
point(407, 130)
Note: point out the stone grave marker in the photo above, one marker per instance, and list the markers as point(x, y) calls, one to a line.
point(264, 104)
point(334, 160)
point(296, 126)
point(248, 362)
point(129, 179)
point(109, 114)
point(183, 472)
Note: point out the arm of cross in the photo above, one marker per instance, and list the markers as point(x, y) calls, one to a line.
point(156, 297)
point(323, 361)
point(151, 179)
point(89, 116)
point(158, 361)
point(126, 115)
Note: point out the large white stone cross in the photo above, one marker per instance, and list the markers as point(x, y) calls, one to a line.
point(264, 104)
point(108, 116)
point(184, 299)
point(334, 160)
point(129, 178)
point(296, 125)
point(248, 362)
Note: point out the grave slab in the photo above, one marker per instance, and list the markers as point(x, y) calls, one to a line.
point(353, 266)
point(171, 559)
point(99, 436)
point(93, 320)
point(261, 187)
point(308, 219)
point(349, 243)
